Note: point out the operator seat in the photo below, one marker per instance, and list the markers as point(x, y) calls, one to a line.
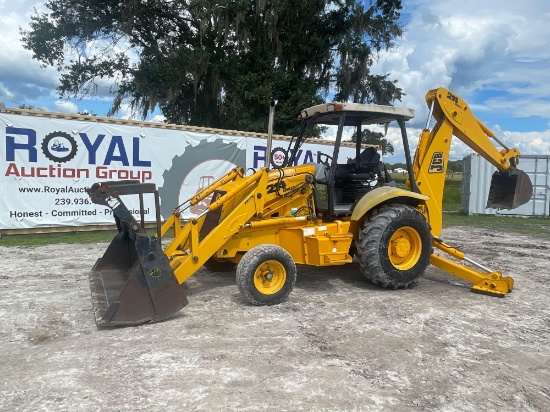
point(367, 168)
point(359, 176)
point(369, 161)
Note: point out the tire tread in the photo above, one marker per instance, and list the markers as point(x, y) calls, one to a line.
point(370, 249)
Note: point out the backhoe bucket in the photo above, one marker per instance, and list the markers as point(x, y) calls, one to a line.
point(133, 282)
point(509, 189)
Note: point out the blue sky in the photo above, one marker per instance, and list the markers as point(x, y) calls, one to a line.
point(494, 54)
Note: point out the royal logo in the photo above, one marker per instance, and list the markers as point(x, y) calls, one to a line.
point(113, 158)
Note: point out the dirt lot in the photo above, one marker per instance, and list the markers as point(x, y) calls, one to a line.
point(338, 343)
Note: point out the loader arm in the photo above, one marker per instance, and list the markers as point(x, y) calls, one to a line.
point(136, 281)
point(239, 203)
point(194, 242)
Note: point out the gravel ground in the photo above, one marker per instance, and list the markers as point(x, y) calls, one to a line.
point(338, 343)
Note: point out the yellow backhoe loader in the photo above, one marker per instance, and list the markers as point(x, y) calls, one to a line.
point(322, 214)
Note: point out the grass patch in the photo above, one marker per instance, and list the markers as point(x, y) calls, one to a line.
point(532, 226)
point(452, 191)
point(42, 239)
point(452, 195)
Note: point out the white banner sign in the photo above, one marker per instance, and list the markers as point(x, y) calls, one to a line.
point(47, 164)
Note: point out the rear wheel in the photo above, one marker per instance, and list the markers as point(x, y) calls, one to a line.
point(266, 275)
point(394, 246)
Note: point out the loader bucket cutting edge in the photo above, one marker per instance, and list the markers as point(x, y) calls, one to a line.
point(509, 189)
point(133, 283)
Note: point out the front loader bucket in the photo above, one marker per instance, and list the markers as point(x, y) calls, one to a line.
point(509, 189)
point(133, 283)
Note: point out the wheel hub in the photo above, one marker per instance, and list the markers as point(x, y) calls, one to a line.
point(401, 247)
point(405, 248)
point(270, 277)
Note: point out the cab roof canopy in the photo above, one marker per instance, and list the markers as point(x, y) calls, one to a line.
point(356, 113)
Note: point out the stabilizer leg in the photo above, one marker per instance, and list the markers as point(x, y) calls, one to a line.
point(490, 283)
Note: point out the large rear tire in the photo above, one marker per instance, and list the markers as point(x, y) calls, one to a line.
point(394, 246)
point(266, 275)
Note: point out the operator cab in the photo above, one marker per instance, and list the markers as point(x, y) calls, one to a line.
point(341, 182)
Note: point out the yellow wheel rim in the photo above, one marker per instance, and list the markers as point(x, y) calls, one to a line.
point(405, 248)
point(270, 277)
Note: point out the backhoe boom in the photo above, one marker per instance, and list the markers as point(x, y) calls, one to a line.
point(510, 187)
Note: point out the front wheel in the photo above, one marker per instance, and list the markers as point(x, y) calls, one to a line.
point(266, 275)
point(394, 246)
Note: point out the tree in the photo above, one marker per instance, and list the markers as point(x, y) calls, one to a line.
point(28, 107)
point(86, 113)
point(218, 63)
point(375, 138)
point(455, 166)
point(398, 166)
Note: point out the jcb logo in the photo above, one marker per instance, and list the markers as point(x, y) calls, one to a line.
point(436, 165)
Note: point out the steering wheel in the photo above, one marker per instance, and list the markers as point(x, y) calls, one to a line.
point(326, 161)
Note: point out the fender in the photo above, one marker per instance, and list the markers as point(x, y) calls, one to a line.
point(381, 195)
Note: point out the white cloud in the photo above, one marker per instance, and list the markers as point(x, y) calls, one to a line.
point(126, 112)
point(65, 106)
point(493, 54)
point(529, 142)
point(159, 118)
point(523, 106)
point(5, 93)
point(21, 78)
